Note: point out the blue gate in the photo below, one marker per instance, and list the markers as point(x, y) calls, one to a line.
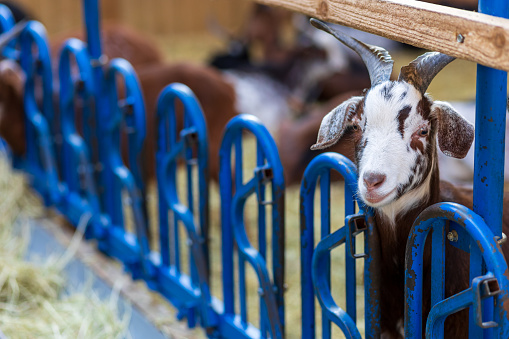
point(315, 262)
point(77, 177)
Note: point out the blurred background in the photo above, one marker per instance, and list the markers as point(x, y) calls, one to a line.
point(281, 69)
point(180, 27)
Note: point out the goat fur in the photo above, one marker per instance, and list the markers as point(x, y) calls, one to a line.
point(397, 129)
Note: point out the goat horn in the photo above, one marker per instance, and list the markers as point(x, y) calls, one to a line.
point(7, 36)
point(377, 60)
point(422, 70)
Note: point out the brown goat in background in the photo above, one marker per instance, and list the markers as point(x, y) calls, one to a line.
point(216, 96)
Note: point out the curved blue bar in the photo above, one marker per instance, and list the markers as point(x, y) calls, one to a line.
point(189, 144)
point(317, 167)
point(232, 216)
point(6, 23)
point(475, 226)
point(6, 18)
point(322, 289)
point(77, 171)
point(37, 62)
point(40, 157)
point(315, 263)
point(128, 114)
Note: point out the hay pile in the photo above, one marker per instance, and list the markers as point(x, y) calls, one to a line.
point(34, 301)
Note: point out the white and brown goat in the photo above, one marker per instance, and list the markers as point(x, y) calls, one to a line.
point(394, 126)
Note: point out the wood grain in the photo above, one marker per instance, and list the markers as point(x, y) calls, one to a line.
point(433, 27)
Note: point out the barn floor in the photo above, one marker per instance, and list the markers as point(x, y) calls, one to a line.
point(154, 317)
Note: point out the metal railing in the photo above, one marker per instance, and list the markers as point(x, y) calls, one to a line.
point(76, 176)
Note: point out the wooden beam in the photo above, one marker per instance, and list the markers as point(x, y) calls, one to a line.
point(466, 35)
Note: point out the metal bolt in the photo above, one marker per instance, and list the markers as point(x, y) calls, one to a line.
point(260, 292)
point(99, 167)
point(502, 240)
point(452, 236)
point(460, 38)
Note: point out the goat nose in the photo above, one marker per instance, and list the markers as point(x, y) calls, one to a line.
point(373, 180)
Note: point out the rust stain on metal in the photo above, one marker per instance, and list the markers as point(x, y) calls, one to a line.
point(493, 248)
point(480, 246)
point(504, 299)
point(412, 280)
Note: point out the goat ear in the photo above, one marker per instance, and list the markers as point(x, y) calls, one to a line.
point(455, 133)
point(334, 123)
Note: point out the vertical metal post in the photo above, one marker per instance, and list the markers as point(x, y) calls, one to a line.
point(490, 120)
point(92, 27)
point(490, 133)
point(325, 231)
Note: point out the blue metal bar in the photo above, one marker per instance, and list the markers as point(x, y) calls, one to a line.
point(262, 232)
point(310, 278)
point(351, 277)
point(92, 22)
point(76, 167)
point(491, 103)
point(485, 241)
point(40, 157)
point(190, 163)
point(322, 288)
point(233, 223)
point(472, 296)
point(6, 23)
point(126, 116)
point(372, 272)
point(325, 231)
point(438, 269)
point(476, 270)
point(169, 151)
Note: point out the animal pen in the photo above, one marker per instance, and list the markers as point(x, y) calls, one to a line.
point(77, 180)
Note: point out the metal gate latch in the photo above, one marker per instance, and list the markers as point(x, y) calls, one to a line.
point(264, 175)
point(356, 224)
point(484, 287)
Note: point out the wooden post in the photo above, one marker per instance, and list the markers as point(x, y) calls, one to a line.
point(466, 35)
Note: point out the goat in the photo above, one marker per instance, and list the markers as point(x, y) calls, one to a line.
point(118, 41)
point(395, 126)
point(216, 96)
point(311, 68)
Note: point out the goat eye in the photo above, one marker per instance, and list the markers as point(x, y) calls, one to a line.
point(355, 127)
point(423, 132)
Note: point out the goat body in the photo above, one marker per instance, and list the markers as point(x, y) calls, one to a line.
point(216, 96)
point(397, 128)
point(118, 41)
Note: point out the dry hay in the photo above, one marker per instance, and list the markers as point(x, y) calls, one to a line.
point(33, 299)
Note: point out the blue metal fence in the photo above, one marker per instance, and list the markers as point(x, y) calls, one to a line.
point(315, 262)
point(92, 179)
point(234, 194)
